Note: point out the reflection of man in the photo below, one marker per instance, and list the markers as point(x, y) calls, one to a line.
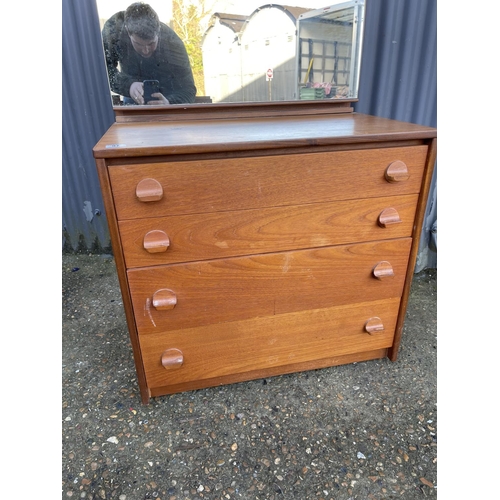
point(139, 47)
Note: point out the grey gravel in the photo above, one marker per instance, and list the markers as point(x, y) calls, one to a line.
point(361, 431)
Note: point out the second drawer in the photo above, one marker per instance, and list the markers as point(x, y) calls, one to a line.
point(186, 238)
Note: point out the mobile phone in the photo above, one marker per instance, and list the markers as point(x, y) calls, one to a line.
point(150, 87)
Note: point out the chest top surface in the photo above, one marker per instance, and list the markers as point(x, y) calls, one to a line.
point(204, 136)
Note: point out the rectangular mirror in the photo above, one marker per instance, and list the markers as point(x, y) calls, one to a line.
point(209, 51)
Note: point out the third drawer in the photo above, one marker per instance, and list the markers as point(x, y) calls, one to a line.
point(209, 292)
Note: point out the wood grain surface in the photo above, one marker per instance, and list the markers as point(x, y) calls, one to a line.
point(210, 186)
point(261, 343)
point(215, 291)
point(227, 134)
point(246, 232)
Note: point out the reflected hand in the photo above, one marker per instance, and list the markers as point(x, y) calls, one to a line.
point(161, 100)
point(137, 92)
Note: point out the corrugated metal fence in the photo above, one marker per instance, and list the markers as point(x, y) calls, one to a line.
point(87, 113)
point(398, 80)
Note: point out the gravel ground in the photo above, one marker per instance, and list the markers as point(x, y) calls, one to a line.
point(363, 431)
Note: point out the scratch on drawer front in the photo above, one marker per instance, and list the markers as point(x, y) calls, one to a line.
point(320, 241)
point(286, 264)
point(147, 309)
point(222, 244)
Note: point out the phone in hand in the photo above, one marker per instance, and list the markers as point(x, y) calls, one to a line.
point(150, 87)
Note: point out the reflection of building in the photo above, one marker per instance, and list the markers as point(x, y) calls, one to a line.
point(269, 41)
point(237, 52)
point(274, 53)
point(222, 57)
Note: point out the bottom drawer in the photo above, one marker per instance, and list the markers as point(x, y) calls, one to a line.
point(204, 354)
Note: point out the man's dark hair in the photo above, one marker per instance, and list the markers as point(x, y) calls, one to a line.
point(142, 20)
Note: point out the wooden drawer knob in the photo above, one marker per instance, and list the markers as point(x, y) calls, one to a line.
point(374, 325)
point(164, 299)
point(149, 190)
point(397, 171)
point(172, 359)
point(383, 270)
point(156, 241)
point(388, 216)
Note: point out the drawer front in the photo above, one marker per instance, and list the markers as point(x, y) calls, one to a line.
point(186, 238)
point(207, 186)
point(209, 292)
point(213, 351)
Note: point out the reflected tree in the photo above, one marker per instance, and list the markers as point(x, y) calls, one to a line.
point(189, 19)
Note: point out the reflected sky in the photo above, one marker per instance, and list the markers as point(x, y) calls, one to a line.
point(107, 8)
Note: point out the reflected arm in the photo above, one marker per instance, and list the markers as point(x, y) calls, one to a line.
point(119, 82)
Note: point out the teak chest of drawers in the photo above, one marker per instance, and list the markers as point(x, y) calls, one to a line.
point(252, 247)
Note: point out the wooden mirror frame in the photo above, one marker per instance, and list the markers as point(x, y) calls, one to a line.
point(231, 110)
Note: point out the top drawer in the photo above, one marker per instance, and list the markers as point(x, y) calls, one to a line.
point(215, 185)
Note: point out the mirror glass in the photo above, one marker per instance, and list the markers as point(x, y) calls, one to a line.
point(223, 51)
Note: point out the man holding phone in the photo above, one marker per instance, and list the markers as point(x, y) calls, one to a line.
point(138, 47)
